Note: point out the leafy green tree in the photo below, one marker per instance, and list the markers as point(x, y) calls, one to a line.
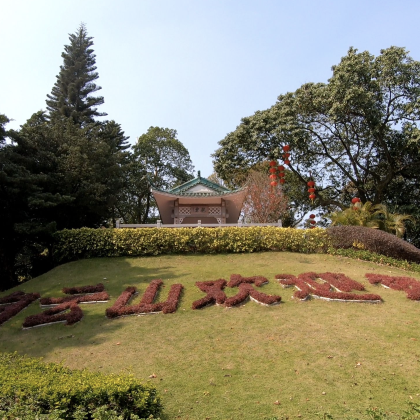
point(71, 96)
point(54, 175)
point(81, 165)
point(23, 236)
point(158, 157)
point(355, 135)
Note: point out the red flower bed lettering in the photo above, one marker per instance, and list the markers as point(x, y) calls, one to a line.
point(334, 286)
point(237, 279)
point(215, 293)
point(66, 308)
point(146, 305)
point(407, 284)
point(56, 314)
point(341, 282)
point(12, 298)
point(82, 294)
point(246, 290)
point(12, 304)
point(83, 289)
point(94, 297)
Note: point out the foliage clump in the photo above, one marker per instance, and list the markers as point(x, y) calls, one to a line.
point(373, 240)
point(46, 388)
point(374, 216)
point(88, 243)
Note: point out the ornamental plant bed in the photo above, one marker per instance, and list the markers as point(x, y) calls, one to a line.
point(54, 315)
point(12, 298)
point(215, 294)
point(146, 305)
point(12, 306)
point(80, 294)
point(83, 289)
point(407, 284)
point(100, 297)
point(327, 286)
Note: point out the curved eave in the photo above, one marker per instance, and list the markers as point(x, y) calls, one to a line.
point(233, 199)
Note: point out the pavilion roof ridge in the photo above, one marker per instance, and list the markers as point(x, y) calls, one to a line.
point(183, 188)
point(197, 194)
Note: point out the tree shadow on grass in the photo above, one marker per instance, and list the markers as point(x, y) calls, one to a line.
point(95, 328)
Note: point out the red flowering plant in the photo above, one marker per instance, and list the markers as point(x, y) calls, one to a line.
point(92, 298)
point(117, 308)
point(56, 314)
point(246, 290)
point(171, 304)
point(407, 284)
point(332, 286)
point(66, 309)
point(215, 293)
point(12, 298)
point(80, 294)
point(288, 280)
point(83, 289)
point(146, 305)
point(341, 282)
point(14, 303)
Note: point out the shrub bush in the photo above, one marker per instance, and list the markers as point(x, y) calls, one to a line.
point(86, 243)
point(373, 240)
point(47, 387)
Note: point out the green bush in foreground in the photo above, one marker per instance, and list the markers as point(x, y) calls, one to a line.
point(88, 243)
point(30, 387)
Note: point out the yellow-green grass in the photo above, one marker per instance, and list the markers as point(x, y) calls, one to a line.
point(251, 362)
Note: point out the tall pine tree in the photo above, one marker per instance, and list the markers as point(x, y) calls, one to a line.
point(71, 95)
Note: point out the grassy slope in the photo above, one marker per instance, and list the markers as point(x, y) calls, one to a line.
point(218, 363)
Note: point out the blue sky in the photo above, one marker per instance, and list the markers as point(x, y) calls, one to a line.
point(197, 66)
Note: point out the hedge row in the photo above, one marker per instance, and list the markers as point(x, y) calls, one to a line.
point(87, 243)
point(28, 382)
point(373, 240)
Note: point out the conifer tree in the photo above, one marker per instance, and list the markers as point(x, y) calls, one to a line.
point(71, 95)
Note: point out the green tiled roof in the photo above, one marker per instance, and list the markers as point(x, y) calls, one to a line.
point(183, 188)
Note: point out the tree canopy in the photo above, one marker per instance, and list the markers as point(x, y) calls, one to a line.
point(71, 95)
point(354, 135)
point(357, 135)
point(62, 169)
point(158, 157)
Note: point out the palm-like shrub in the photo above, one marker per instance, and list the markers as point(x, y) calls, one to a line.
point(392, 222)
point(376, 216)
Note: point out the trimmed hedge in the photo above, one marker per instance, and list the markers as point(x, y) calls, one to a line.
point(45, 387)
point(351, 241)
point(373, 240)
point(87, 243)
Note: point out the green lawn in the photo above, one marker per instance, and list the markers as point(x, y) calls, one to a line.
point(307, 359)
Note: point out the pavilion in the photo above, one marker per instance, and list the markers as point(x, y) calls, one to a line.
point(199, 200)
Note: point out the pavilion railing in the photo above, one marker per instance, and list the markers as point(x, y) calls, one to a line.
point(159, 224)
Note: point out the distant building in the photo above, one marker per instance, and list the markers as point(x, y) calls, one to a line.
point(199, 199)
